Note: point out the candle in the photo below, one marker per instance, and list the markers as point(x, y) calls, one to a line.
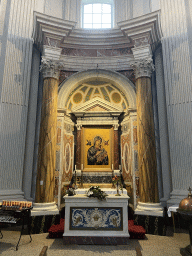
point(75, 167)
point(82, 167)
point(112, 167)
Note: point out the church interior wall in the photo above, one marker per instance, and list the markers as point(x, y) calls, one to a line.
point(16, 57)
point(54, 8)
point(177, 74)
point(163, 128)
point(157, 136)
point(18, 99)
point(31, 125)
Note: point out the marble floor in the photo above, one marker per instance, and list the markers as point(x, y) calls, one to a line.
point(151, 246)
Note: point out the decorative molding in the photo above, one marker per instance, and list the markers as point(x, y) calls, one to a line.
point(118, 80)
point(97, 121)
point(51, 52)
point(81, 63)
point(107, 109)
point(142, 52)
point(50, 30)
point(79, 127)
point(143, 30)
point(143, 67)
point(50, 68)
point(115, 126)
point(125, 127)
point(150, 209)
point(96, 39)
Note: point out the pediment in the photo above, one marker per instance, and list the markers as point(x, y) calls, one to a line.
point(96, 106)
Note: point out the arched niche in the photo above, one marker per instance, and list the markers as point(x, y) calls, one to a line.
point(121, 82)
point(97, 111)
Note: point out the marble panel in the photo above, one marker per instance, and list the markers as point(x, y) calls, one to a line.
point(129, 74)
point(126, 157)
point(68, 157)
point(97, 179)
point(96, 52)
point(116, 150)
point(78, 150)
point(111, 202)
point(85, 218)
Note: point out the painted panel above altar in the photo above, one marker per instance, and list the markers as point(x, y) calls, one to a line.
point(97, 147)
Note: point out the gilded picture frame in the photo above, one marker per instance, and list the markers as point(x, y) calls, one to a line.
point(97, 148)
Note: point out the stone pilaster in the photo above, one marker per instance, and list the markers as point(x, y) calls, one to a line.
point(148, 185)
point(78, 148)
point(116, 147)
point(45, 182)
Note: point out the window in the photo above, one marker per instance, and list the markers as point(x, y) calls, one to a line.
point(97, 14)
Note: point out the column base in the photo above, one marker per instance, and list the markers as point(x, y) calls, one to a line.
point(176, 196)
point(151, 209)
point(44, 209)
point(12, 195)
point(163, 201)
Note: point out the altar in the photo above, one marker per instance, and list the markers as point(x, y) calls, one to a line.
point(90, 217)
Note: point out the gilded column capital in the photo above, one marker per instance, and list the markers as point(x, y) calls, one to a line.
point(51, 68)
point(143, 67)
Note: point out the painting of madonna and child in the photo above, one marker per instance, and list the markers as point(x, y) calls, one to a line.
point(97, 148)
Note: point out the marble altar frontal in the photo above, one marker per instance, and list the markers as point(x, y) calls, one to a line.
point(86, 216)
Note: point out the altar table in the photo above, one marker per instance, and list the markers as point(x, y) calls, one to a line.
point(86, 216)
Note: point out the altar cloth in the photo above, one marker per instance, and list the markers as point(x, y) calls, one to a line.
point(109, 191)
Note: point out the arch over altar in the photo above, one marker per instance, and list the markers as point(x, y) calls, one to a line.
point(96, 105)
point(120, 81)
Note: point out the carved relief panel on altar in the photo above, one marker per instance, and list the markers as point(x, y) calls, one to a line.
point(97, 148)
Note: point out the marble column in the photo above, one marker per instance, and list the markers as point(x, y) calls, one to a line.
point(45, 182)
point(148, 184)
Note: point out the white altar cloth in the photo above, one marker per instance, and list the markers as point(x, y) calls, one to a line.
point(82, 201)
point(109, 191)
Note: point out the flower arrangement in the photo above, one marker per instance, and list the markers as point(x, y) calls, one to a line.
point(116, 179)
point(70, 190)
point(95, 191)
